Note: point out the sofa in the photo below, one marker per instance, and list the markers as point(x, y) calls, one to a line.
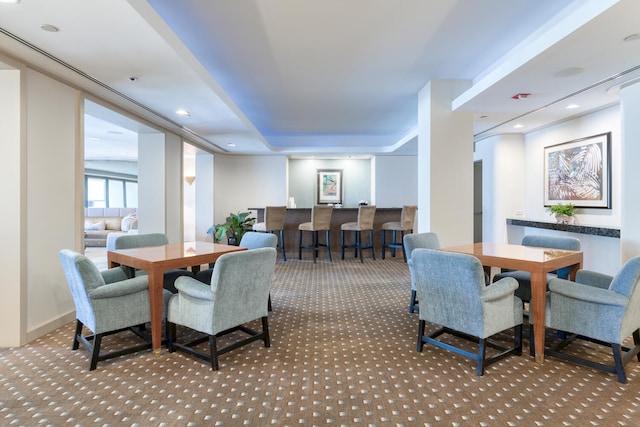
point(99, 223)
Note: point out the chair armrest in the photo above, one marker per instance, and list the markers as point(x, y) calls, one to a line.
point(193, 288)
point(115, 274)
point(587, 293)
point(592, 278)
point(118, 289)
point(499, 289)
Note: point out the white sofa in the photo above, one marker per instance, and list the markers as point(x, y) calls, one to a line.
point(99, 223)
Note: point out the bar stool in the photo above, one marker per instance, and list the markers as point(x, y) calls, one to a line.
point(273, 221)
point(320, 221)
point(405, 225)
point(366, 214)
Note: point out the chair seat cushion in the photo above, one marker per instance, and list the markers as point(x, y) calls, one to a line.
point(392, 226)
point(350, 226)
point(306, 226)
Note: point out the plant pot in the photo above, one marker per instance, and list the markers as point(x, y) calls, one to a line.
point(564, 219)
point(232, 241)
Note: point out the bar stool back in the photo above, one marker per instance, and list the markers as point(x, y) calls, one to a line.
point(366, 215)
point(273, 221)
point(405, 225)
point(320, 221)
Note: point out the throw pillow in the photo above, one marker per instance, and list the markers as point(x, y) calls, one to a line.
point(88, 225)
point(129, 222)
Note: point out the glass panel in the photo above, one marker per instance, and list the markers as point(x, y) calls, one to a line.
point(116, 194)
point(96, 193)
point(131, 192)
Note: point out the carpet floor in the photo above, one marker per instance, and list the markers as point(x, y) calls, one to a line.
point(343, 353)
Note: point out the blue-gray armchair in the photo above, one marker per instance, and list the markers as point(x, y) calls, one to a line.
point(131, 241)
point(453, 294)
point(238, 293)
point(417, 241)
point(106, 302)
point(541, 241)
point(598, 308)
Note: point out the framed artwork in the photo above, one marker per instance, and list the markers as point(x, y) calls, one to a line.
point(578, 172)
point(329, 186)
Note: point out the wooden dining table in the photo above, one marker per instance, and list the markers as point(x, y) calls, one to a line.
point(535, 260)
point(155, 260)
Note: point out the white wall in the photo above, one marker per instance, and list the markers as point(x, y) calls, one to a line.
point(173, 191)
point(396, 181)
point(242, 182)
point(54, 209)
point(151, 183)
point(503, 156)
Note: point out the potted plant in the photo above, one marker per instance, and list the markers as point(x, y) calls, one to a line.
point(234, 228)
point(563, 213)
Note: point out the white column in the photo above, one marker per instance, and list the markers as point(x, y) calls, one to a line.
point(445, 164)
point(630, 185)
point(151, 183)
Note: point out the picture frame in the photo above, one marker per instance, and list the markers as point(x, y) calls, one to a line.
point(578, 172)
point(329, 188)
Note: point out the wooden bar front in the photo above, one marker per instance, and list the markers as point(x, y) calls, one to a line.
point(295, 217)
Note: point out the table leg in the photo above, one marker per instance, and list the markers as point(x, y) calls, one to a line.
point(537, 309)
point(155, 301)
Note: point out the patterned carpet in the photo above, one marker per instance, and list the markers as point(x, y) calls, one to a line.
point(343, 354)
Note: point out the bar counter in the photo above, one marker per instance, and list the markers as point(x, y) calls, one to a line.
point(297, 216)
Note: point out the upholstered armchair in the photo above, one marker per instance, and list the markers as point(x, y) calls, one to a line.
point(541, 241)
point(238, 293)
point(131, 241)
point(410, 243)
point(452, 291)
point(106, 302)
point(598, 308)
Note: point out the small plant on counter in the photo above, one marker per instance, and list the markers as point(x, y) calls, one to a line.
point(563, 213)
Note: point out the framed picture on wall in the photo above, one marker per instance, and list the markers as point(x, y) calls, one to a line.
point(329, 189)
point(578, 172)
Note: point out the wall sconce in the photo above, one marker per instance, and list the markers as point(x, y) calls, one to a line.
point(189, 179)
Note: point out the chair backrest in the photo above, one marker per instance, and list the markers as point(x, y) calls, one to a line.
point(625, 282)
point(321, 217)
point(366, 215)
point(555, 242)
point(240, 283)
point(131, 241)
point(82, 277)
point(274, 217)
point(254, 240)
point(419, 241)
point(450, 286)
point(408, 216)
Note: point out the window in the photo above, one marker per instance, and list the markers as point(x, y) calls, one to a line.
point(104, 192)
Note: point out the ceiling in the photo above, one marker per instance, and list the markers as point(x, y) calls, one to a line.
point(328, 77)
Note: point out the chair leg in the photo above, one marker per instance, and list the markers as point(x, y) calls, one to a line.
point(315, 246)
point(402, 242)
point(413, 304)
point(383, 245)
point(171, 337)
point(532, 344)
point(373, 251)
point(265, 330)
point(213, 349)
point(269, 308)
point(617, 358)
point(299, 244)
point(421, 325)
point(342, 244)
point(393, 242)
point(356, 244)
point(482, 351)
point(76, 342)
point(95, 354)
point(284, 256)
point(326, 239)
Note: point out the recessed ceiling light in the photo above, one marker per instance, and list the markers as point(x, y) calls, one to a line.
point(632, 37)
point(182, 112)
point(231, 144)
point(10, 1)
point(93, 138)
point(518, 126)
point(50, 28)
point(571, 71)
point(114, 132)
point(572, 106)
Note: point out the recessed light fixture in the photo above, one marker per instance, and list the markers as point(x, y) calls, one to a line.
point(93, 138)
point(10, 1)
point(182, 112)
point(50, 28)
point(632, 37)
point(231, 144)
point(114, 132)
point(572, 106)
point(568, 72)
point(518, 126)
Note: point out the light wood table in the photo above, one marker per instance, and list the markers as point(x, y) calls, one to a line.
point(538, 262)
point(155, 260)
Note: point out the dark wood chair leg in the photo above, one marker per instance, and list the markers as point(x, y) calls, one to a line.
point(265, 330)
point(76, 342)
point(213, 348)
point(95, 354)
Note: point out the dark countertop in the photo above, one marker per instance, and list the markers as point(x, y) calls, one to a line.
point(573, 228)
